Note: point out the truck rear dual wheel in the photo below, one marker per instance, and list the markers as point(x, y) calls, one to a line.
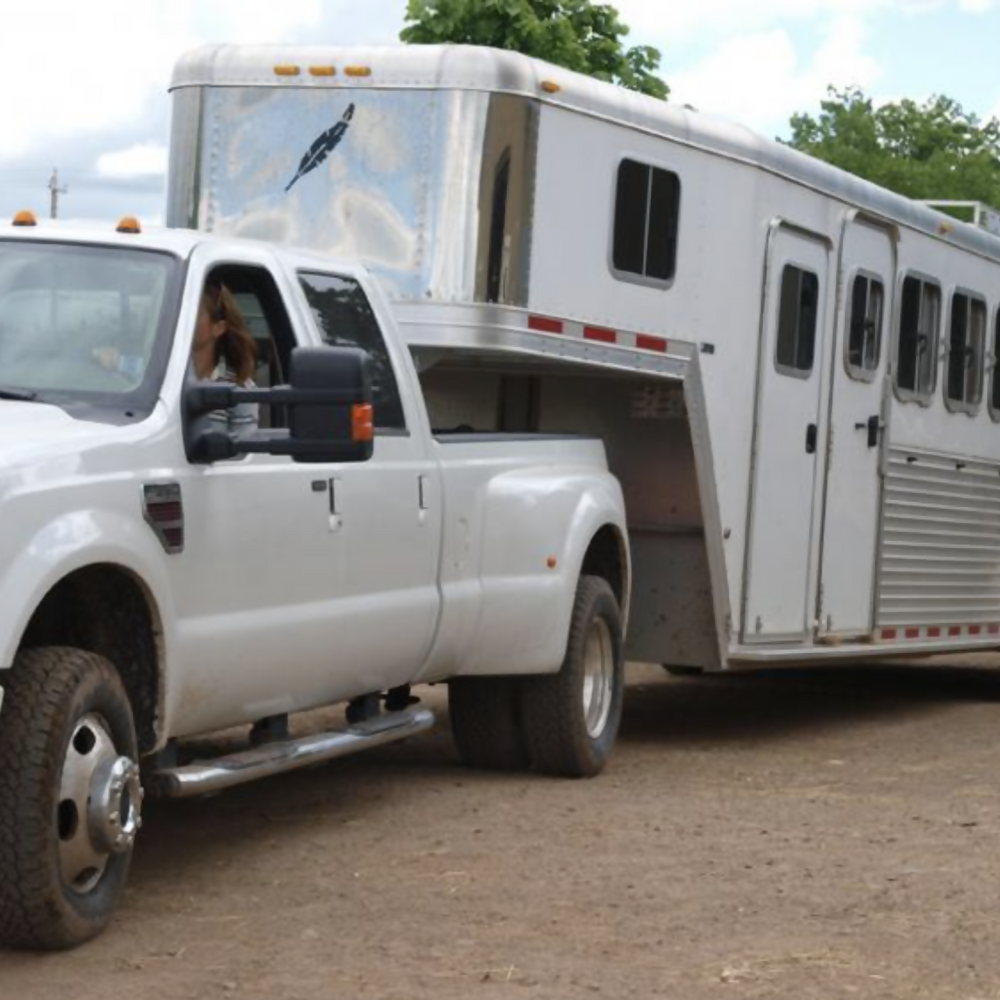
point(561, 724)
point(70, 797)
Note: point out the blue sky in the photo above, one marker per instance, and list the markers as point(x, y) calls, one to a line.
point(85, 84)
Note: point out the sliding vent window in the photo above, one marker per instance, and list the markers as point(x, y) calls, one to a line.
point(920, 317)
point(797, 321)
point(864, 341)
point(966, 346)
point(647, 206)
point(345, 319)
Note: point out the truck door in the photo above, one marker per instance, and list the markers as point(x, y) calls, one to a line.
point(389, 509)
point(303, 584)
point(858, 373)
point(779, 558)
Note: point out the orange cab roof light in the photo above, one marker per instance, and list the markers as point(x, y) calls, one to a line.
point(130, 225)
point(25, 218)
point(358, 70)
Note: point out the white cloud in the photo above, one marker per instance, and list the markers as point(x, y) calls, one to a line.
point(147, 159)
point(68, 69)
point(780, 81)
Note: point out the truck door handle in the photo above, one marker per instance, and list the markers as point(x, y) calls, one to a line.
point(811, 439)
point(873, 425)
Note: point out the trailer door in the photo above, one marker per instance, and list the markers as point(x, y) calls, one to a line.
point(850, 520)
point(780, 540)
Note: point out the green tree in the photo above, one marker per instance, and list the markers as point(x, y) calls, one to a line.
point(935, 150)
point(578, 34)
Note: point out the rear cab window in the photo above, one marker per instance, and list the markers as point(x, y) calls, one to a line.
point(345, 318)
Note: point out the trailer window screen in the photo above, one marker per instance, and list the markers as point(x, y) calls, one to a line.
point(345, 319)
point(920, 314)
point(647, 204)
point(797, 318)
point(864, 339)
point(966, 346)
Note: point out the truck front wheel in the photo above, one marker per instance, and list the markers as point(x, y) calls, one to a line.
point(70, 797)
point(570, 719)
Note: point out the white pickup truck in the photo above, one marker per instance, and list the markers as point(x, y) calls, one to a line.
point(164, 575)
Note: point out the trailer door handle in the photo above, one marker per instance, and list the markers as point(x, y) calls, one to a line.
point(873, 425)
point(811, 439)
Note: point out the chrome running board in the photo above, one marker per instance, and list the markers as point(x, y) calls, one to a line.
point(204, 777)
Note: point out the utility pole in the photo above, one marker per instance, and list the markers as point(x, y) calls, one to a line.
point(55, 191)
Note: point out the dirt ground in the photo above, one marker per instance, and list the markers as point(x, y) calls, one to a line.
point(803, 834)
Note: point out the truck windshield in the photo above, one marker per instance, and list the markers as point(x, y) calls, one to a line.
point(80, 323)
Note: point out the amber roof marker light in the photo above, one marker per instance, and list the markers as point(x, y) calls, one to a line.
point(25, 218)
point(129, 225)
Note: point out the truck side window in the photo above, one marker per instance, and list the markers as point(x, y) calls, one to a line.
point(345, 319)
point(916, 371)
point(647, 209)
point(797, 318)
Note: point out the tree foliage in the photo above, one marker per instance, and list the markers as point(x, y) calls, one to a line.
point(935, 150)
point(578, 34)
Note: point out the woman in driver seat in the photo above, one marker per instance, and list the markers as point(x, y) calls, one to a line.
point(224, 351)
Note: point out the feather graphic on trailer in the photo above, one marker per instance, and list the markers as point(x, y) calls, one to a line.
point(322, 147)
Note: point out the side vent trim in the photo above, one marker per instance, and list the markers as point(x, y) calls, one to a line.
point(163, 510)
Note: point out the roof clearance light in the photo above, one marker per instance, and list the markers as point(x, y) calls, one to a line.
point(550, 87)
point(25, 218)
point(287, 71)
point(358, 70)
point(322, 70)
point(130, 225)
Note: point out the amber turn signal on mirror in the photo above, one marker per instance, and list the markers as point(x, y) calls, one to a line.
point(362, 422)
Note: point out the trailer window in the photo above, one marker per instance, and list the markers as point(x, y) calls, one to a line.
point(995, 376)
point(647, 205)
point(797, 320)
point(920, 315)
point(345, 319)
point(864, 339)
point(966, 343)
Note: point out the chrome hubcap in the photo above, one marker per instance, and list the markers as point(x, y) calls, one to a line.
point(100, 805)
point(598, 679)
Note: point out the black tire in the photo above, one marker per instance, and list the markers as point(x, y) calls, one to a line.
point(47, 692)
point(553, 715)
point(486, 724)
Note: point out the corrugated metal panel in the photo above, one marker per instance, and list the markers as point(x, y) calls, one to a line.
point(940, 547)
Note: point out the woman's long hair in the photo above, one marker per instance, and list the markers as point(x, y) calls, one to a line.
point(236, 346)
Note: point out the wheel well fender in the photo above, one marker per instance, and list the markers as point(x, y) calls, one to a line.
point(103, 589)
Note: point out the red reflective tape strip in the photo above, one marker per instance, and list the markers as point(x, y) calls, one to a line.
point(543, 325)
point(913, 633)
point(888, 633)
point(975, 629)
point(934, 632)
point(646, 343)
point(955, 630)
point(995, 630)
point(599, 333)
